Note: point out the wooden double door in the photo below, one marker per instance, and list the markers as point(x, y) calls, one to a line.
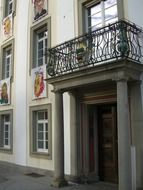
point(99, 145)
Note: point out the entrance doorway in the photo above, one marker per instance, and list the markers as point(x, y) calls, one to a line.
point(99, 141)
point(108, 150)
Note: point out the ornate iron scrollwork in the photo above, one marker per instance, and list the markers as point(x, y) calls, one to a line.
point(113, 42)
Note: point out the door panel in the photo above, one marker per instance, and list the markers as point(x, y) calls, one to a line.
point(108, 170)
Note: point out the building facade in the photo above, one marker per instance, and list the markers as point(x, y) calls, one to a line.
point(71, 92)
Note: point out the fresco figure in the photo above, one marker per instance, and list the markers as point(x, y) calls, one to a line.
point(39, 8)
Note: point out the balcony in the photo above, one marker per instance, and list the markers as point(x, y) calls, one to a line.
point(118, 41)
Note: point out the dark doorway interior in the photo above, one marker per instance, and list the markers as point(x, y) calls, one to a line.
point(99, 141)
point(107, 144)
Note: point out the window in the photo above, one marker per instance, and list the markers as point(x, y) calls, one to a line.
point(8, 7)
point(102, 14)
point(7, 60)
point(40, 42)
point(41, 130)
point(6, 130)
point(98, 13)
point(41, 47)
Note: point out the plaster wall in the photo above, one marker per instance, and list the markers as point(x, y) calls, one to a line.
point(133, 11)
point(136, 128)
point(20, 82)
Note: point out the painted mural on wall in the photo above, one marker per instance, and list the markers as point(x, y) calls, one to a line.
point(5, 91)
point(38, 83)
point(40, 8)
point(7, 27)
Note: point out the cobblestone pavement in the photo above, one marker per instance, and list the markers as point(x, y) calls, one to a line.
point(25, 182)
point(13, 177)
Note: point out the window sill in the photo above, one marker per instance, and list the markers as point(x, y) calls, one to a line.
point(43, 155)
point(6, 150)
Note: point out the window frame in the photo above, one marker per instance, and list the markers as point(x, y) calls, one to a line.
point(3, 147)
point(46, 24)
point(7, 46)
point(34, 152)
point(83, 5)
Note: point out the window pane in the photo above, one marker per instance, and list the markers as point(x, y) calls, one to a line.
point(40, 135)
point(40, 45)
point(6, 141)
point(7, 118)
point(46, 126)
point(96, 19)
point(40, 61)
point(95, 9)
point(111, 21)
point(46, 135)
point(110, 3)
point(40, 127)
point(40, 35)
point(40, 115)
point(46, 144)
point(40, 53)
point(111, 13)
point(40, 144)
point(46, 115)
point(6, 127)
point(6, 135)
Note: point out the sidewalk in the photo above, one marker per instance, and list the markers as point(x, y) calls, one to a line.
point(13, 179)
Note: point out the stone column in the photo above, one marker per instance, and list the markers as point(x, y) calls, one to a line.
point(124, 145)
point(74, 139)
point(59, 179)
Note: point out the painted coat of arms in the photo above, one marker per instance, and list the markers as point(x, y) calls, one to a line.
point(38, 83)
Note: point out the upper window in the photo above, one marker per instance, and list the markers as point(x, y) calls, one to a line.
point(8, 7)
point(102, 14)
point(40, 42)
point(41, 47)
point(98, 14)
point(6, 130)
point(7, 61)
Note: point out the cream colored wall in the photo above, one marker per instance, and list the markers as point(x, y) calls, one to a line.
point(31, 160)
point(4, 156)
point(133, 11)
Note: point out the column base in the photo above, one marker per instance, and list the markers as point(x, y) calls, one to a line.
point(58, 182)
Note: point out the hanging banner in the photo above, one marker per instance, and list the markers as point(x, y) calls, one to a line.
point(5, 91)
point(38, 83)
point(7, 27)
point(39, 8)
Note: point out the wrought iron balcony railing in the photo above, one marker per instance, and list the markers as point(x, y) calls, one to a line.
point(120, 40)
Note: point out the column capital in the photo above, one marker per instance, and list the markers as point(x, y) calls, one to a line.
point(138, 82)
point(57, 91)
point(120, 78)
